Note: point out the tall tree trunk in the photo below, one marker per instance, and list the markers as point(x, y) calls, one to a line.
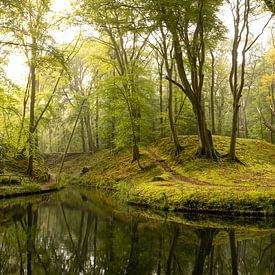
point(234, 131)
point(87, 119)
point(272, 110)
point(25, 102)
point(169, 71)
point(32, 118)
point(82, 134)
point(171, 116)
point(70, 139)
point(161, 98)
point(193, 88)
point(96, 124)
point(212, 103)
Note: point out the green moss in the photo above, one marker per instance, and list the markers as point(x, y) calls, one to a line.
point(258, 157)
point(221, 185)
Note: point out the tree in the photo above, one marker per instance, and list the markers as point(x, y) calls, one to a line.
point(127, 52)
point(190, 24)
point(28, 26)
point(242, 12)
point(166, 51)
point(269, 81)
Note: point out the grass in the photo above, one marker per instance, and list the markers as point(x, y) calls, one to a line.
point(221, 186)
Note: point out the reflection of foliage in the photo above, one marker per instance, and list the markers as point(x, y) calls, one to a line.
point(82, 234)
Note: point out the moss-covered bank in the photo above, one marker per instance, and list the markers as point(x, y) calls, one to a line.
point(185, 182)
point(13, 179)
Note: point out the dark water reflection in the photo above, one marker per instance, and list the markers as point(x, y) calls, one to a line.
point(85, 233)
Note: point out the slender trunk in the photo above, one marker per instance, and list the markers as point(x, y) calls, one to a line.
point(161, 98)
point(83, 135)
point(169, 70)
point(25, 102)
point(87, 120)
point(212, 104)
point(50, 139)
point(272, 110)
point(96, 124)
point(246, 133)
point(261, 124)
point(31, 122)
point(171, 117)
point(233, 252)
point(234, 131)
point(272, 134)
point(29, 239)
point(220, 113)
point(70, 139)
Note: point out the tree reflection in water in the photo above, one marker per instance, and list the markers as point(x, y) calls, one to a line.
point(80, 236)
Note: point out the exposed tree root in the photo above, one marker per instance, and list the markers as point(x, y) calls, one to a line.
point(236, 159)
point(214, 155)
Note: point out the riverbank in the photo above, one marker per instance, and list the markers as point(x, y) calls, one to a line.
point(184, 182)
point(13, 179)
point(27, 190)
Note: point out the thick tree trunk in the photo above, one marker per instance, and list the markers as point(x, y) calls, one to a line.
point(206, 147)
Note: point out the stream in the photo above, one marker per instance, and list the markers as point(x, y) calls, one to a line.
point(88, 232)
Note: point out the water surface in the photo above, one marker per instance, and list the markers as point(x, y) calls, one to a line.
point(86, 232)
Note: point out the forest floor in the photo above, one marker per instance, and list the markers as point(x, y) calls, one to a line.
point(185, 182)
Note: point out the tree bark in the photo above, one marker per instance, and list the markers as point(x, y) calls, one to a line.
point(96, 124)
point(32, 117)
point(161, 98)
point(87, 120)
point(212, 103)
point(82, 134)
point(234, 131)
point(193, 87)
point(169, 71)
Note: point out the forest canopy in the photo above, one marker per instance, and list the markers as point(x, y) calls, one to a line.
point(114, 74)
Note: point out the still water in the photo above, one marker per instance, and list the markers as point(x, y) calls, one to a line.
point(86, 232)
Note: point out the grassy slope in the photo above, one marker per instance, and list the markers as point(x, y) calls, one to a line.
point(231, 187)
